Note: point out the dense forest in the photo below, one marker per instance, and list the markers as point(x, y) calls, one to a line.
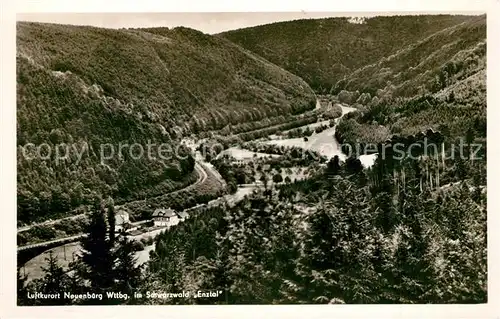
point(429, 65)
point(386, 235)
point(80, 88)
point(406, 230)
point(360, 244)
point(411, 228)
point(326, 52)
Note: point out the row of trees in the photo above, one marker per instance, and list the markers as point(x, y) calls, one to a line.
point(265, 132)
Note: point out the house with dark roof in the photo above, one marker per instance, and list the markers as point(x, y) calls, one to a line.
point(164, 217)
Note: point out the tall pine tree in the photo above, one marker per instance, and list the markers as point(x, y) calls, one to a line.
point(97, 255)
point(128, 275)
point(55, 280)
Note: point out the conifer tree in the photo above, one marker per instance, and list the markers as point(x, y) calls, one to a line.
point(353, 165)
point(54, 281)
point(96, 254)
point(128, 274)
point(333, 166)
point(76, 279)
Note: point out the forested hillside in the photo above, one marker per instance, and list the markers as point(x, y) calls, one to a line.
point(356, 242)
point(438, 83)
point(326, 51)
point(406, 230)
point(86, 86)
point(410, 227)
point(428, 65)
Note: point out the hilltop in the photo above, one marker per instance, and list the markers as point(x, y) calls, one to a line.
point(326, 52)
point(405, 74)
point(428, 65)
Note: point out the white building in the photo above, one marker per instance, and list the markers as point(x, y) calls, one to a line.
point(164, 217)
point(122, 220)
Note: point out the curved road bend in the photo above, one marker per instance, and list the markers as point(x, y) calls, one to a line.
point(202, 176)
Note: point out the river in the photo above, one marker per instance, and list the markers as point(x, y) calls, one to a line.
point(324, 143)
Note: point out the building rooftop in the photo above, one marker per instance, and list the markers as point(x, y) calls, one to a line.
point(163, 212)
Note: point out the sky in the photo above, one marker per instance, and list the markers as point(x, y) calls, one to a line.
point(207, 22)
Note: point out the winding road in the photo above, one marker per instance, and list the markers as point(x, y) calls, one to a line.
point(202, 176)
point(201, 168)
point(320, 142)
point(46, 243)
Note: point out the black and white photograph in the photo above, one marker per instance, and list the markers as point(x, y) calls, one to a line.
point(251, 158)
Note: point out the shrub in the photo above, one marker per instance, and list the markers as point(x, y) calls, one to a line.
point(277, 178)
point(137, 245)
point(43, 232)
